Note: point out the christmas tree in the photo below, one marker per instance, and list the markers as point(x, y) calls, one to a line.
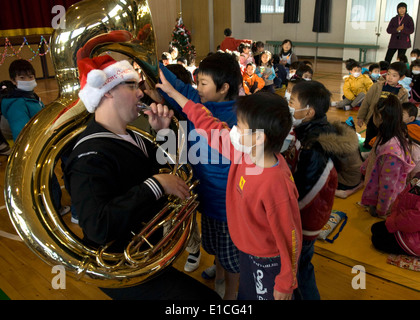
point(181, 39)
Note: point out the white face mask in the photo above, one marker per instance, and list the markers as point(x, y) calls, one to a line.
point(287, 143)
point(375, 76)
point(290, 75)
point(26, 85)
point(235, 138)
point(296, 122)
point(416, 72)
point(413, 58)
point(287, 96)
point(356, 74)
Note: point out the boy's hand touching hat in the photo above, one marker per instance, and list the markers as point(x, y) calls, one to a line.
point(167, 87)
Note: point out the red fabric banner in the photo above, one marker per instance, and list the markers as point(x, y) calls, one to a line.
point(21, 16)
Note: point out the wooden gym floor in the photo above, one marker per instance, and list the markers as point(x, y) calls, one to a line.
point(23, 276)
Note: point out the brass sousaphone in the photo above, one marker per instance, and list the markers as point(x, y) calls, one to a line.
point(92, 27)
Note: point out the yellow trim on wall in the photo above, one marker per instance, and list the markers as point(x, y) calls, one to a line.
point(25, 32)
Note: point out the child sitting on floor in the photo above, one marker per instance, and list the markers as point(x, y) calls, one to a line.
point(414, 55)
point(266, 71)
point(304, 72)
point(382, 88)
point(389, 164)
point(374, 72)
point(415, 83)
point(355, 87)
point(400, 233)
point(252, 83)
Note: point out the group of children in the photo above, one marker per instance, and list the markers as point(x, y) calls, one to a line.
point(324, 160)
point(386, 95)
point(263, 209)
point(359, 80)
point(277, 214)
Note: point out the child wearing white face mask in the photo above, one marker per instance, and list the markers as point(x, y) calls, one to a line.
point(22, 103)
point(355, 87)
point(415, 84)
point(323, 157)
point(261, 198)
point(415, 54)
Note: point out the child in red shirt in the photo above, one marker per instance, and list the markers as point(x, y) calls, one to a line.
point(262, 209)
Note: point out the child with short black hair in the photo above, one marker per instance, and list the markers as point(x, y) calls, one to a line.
point(415, 55)
point(355, 87)
point(403, 58)
point(252, 82)
point(218, 81)
point(319, 161)
point(293, 68)
point(304, 72)
point(262, 209)
point(415, 83)
point(410, 114)
point(382, 88)
point(374, 72)
point(384, 65)
point(21, 105)
point(166, 58)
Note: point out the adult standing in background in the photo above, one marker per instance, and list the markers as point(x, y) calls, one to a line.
point(400, 28)
point(230, 43)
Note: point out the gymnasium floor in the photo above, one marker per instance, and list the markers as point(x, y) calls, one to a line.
point(24, 276)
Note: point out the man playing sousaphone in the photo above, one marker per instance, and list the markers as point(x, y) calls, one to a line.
point(113, 174)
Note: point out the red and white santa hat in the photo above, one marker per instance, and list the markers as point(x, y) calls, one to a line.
point(99, 75)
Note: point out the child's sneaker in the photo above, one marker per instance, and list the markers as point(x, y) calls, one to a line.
point(209, 273)
point(193, 262)
point(74, 220)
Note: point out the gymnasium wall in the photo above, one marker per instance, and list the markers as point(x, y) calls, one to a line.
point(273, 28)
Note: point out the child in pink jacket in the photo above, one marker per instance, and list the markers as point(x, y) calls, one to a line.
point(389, 163)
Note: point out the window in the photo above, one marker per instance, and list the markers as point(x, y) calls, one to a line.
point(272, 6)
point(363, 11)
point(391, 8)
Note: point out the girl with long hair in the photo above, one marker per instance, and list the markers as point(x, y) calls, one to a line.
point(389, 163)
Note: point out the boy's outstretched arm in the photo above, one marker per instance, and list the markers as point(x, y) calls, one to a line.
point(217, 131)
point(166, 87)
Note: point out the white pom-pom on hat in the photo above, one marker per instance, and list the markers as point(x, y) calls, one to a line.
point(96, 78)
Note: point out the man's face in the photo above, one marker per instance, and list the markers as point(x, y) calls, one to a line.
point(126, 97)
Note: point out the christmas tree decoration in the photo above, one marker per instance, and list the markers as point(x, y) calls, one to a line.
point(181, 39)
